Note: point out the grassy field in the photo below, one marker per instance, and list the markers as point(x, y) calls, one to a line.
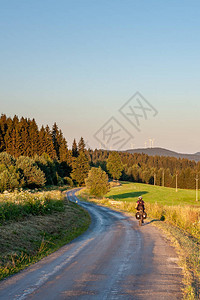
point(166, 196)
point(26, 238)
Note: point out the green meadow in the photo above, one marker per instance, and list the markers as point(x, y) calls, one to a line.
point(129, 192)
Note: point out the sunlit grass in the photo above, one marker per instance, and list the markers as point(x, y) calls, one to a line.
point(167, 196)
point(16, 205)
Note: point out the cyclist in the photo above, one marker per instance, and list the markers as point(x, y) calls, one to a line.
point(140, 204)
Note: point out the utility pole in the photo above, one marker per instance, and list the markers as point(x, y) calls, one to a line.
point(176, 182)
point(197, 186)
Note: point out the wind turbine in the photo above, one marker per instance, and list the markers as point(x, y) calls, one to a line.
point(132, 146)
point(150, 142)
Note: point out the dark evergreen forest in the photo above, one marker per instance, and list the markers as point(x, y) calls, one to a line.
point(34, 157)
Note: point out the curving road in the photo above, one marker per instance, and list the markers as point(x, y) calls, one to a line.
point(114, 259)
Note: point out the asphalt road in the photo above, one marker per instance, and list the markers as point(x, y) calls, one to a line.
point(114, 259)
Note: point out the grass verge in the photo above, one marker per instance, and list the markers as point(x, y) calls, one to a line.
point(27, 241)
point(188, 249)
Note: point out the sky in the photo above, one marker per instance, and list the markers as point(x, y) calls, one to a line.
point(116, 72)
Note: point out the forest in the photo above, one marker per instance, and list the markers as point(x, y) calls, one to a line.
point(32, 157)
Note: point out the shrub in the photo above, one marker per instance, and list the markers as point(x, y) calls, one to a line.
point(97, 182)
point(33, 176)
point(9, 179)
point(7, 159)
point(69, 181)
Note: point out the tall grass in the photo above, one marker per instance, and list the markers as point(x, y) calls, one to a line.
point(17, 205)
point(184, 217)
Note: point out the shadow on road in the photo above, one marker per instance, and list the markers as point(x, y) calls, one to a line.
point(154, 220)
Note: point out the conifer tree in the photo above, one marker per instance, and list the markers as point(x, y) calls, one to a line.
point(49, 147)
point(3, 125)
point(55, 138)
point(80, 169)
point(25, 137)
point(2, 132)
point(33, 137)
point(74, 149)
point(16, 142)
point(42, 141)
point(59, 142)
point(114, 165)
point(81, 145)
point(62, 147)
point(45, 144)
point(8, 137)
point(2, 144)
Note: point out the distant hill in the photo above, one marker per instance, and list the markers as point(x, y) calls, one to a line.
point(165, 152)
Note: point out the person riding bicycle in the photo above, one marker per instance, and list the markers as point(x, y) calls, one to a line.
point(140, 204)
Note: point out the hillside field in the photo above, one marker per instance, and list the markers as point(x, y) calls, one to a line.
point(129, 192)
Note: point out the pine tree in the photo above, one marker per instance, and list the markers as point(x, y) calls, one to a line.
point(16, 142)
point(80, 169)
point(33, 137)
point(45, 144)
point(74, 149)
point(16, 138)
point(60, 143)
point(8, 137)
point(114, 165)
point(81, 145)
point(25, 137)
point(42, 141)
point(49, 147)
point(2, 144)
point(62, 147)
point(3, 124)
point(55, 138)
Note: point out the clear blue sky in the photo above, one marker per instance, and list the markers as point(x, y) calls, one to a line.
point(77, 62)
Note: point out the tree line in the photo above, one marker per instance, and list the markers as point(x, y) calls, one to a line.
point(33, 157)
point(161, 170)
